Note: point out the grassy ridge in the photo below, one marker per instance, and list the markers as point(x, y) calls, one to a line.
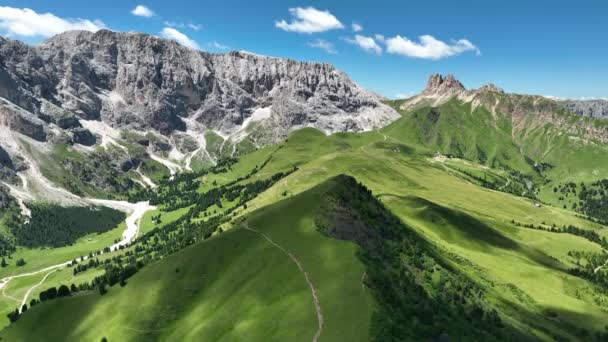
point(235, 286)
point(523, 273)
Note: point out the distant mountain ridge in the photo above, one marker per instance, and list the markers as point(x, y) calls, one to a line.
point(528, 133)
point(141, 97)
point(590, 108)
point(139, 81)
point(152, 104)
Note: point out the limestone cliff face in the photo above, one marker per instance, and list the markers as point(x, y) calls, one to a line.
point(591, 108)
point(139, 81)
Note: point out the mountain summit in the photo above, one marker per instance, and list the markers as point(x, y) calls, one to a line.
point(440, 85)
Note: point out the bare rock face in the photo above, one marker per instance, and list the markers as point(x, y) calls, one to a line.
point(22, 121)
point(439, 85)
point(133, 80)
point(5, 198)
point(490, 88)
point(7, 168)
point(590, 108)
point(82, 136)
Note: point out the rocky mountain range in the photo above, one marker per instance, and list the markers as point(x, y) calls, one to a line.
point(525, 112)
point(143, 98)
point(84, 89)
point(590, 108)
point(139, 81)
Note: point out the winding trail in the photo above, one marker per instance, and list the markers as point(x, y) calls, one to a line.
point(64, 197)
point(29, 291)
point(313, 290)
point(136, 212)
point(597, 269)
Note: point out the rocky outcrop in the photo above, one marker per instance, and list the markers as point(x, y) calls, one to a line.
point(590, 108)
point(7, 167)
point(22, 121)
point(490, 88)
point(5, 198)
point(82, 136)
point(525, 111)
point(440, 85)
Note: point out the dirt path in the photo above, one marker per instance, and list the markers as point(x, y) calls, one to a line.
point(382, 134)
point(9, 296)
point(313, 290)
point(27, 294)
point(137, 211)
point(597, 269)
point(506, 184)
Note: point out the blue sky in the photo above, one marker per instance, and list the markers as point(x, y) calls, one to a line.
point(554, 48)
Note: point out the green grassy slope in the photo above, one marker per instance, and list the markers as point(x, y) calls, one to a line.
point(237, 286)
point(471, 231)
point(459, 129)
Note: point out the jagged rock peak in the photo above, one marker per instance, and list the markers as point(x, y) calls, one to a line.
point(438, 84)
point(491, 88)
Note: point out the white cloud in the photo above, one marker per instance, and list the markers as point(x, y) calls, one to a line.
point(142, 11)
point(309, 20)
point(217, 45)
point(173, 34)
point(179, 24)
point(195, 27)
point(366, 43)
point(356, 27)
point(323, 45)
point(379, 38)
point(27, 23)
point(428, 47)
point(174, 24)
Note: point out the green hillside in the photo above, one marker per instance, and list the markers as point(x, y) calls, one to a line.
point(236, 286)
point(441, 225)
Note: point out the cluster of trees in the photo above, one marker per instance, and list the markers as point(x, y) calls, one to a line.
point(7, 244)
point(540, 168)
point(174, 236)
point(592, 199)
point(181, 189)
point(20, 262)
point(594, 269)
point(589, 261)
point(48, 294)
point(588, 234)
point(57, 226)
point(419, 298)
point(517, 185)
point(82, 267)
point(53, 292)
